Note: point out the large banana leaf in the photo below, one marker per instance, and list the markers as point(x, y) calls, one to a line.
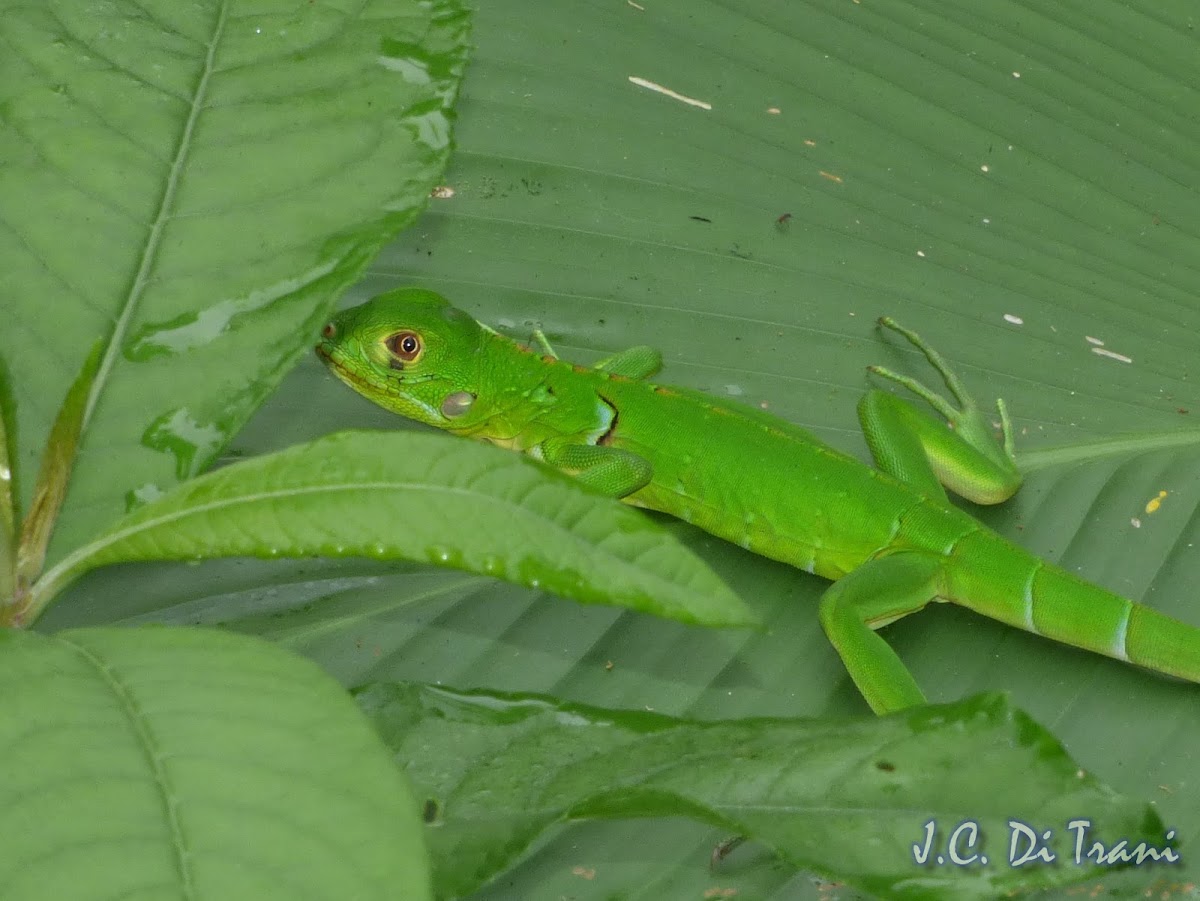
point(1016, 182)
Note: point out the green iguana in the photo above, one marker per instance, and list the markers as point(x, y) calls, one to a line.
point(889, 538)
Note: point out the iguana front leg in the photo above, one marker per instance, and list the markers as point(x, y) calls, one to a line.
point(609, 470)
point(636, 363)
point(616, 473)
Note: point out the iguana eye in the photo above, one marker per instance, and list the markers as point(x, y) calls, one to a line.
point(405, 346)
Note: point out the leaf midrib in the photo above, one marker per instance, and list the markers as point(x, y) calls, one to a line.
point(75, 563)
point(150, 250)
point(155, 762)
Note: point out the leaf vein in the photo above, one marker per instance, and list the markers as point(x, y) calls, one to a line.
point(154, 239)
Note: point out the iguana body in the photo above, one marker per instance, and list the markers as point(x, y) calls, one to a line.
point(889, 537)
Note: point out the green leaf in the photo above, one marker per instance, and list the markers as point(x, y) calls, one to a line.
point(187, 763)
point(848, 799)
point(419, 497)
point(194, 184)
point(10, 515)
point(574, 192)
point(51, 485)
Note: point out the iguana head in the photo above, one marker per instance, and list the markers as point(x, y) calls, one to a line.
point(409, 351)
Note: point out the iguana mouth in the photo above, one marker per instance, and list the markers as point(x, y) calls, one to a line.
point(354, 380)
point(336, 367)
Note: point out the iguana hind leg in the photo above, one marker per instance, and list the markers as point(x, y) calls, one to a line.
point(961, 453)
point(878, 592)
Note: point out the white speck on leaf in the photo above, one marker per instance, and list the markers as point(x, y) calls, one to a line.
point(1112, 355)
point(667, 92)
